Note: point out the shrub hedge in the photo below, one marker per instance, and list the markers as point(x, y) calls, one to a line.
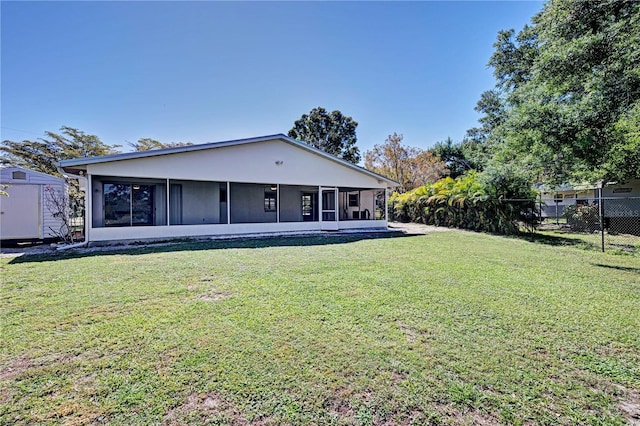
point(467, 202)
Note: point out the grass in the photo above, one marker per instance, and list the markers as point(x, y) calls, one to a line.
point(623, 244)
point(447, 328)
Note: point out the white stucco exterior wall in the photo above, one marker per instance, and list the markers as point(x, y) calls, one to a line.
point(249, 163)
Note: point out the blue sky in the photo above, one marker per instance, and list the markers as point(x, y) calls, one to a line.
point(212, 71)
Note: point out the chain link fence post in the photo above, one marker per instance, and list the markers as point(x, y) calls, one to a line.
point(601, 209)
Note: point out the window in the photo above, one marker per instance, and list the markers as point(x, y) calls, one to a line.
point(269, 200)
point(353, 200)
point(142, 204)
point(615, 190)
point(128, 204)
point(117, 204)
point(308, 210)
point(19, 175)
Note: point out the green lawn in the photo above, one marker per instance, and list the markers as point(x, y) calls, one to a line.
point(447, 328)
point(614, 243)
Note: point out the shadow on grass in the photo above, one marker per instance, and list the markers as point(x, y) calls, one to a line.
point(200, 244)
point(619, 268)
point(556, 240)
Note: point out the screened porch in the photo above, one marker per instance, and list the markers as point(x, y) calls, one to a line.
point(125, 202)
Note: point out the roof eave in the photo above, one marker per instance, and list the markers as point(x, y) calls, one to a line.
point(77, 164)
point(166, 151)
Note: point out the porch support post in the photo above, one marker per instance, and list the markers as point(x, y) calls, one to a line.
point(386, 207)
point(228, 203)
point(336, 210)
point(320, 207)
point(373, 205)
point(277, 203)
point(88, 207)
point(168, 203)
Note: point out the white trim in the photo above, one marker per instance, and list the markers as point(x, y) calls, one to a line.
point(88, 209)
point(178, 231)
point(386, 205)
point(228, 203)
point(277, 203)
point(363, 224)
point(329, 225)
point(319, 206)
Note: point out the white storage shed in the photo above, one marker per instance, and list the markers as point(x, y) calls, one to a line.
point(24, 214)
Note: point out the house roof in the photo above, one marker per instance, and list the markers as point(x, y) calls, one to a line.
point(564, 187)
point(74, 163)
point(8, 169)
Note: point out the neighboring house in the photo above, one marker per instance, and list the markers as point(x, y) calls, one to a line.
point(554, 201)
point(26, 214)
point(622, 207)
point(266, 184)
point(621, 203)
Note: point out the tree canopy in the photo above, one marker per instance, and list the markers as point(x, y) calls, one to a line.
point(460, 157)
point(147, 144)
point(331, 132)
point(42, 154)
point(566, 105)
point(410, 167)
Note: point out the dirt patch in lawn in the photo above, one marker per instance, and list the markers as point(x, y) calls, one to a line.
point(410, 332)
point(214, 296)
point(18, 366)
point(15, 368)
point(201, 407)
point(338, 405)
point(467, 416)
point(630, 408)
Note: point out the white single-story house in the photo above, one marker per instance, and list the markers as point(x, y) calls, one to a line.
point(554, 201)
point(27, 213)
point(268, 184)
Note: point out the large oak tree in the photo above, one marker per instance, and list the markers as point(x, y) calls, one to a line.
point(567, 100)
point(332, 132)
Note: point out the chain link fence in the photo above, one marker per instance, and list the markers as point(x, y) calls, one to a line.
point(609, 223)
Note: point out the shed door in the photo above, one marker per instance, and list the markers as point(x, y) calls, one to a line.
point(20, 213)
